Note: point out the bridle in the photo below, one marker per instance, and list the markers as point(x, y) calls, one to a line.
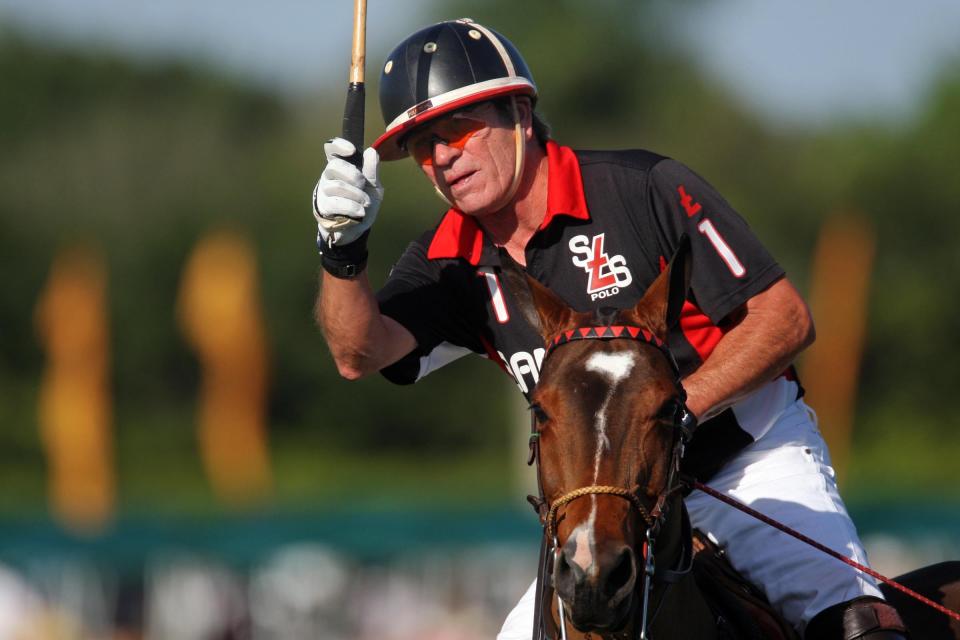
point(683, 422)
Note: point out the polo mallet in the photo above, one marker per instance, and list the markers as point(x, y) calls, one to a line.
point(353, 111)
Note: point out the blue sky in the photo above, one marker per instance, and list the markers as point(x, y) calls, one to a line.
point(798, 62)
point(815, 60)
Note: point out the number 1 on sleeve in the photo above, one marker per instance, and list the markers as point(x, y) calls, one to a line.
point(733, 263)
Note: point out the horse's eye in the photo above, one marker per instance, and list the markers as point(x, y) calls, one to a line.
point(538, 413)
point(668, 411)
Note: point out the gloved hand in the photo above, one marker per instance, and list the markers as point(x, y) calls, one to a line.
point(346, 199)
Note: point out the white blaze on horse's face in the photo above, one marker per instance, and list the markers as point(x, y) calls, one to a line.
point(616, 368)
point(584, 539)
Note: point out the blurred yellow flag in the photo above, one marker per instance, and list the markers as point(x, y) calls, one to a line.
point(75, 406)
point(219, 312)
point(842, 268)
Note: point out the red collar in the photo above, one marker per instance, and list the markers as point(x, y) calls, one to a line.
point(459, 235)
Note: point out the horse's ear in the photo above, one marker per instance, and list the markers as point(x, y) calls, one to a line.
point(660, 308)
point(539, 306)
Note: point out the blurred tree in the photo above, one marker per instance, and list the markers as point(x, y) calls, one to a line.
point(910, 186)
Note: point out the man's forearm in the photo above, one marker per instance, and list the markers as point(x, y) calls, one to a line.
point(775, 328)
point(360, 338)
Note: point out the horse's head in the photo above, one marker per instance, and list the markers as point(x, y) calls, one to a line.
point(604, 409)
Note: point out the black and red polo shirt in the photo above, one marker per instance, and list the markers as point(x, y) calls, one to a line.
point(613, 220)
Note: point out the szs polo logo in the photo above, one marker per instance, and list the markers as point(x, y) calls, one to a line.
point(606, 274)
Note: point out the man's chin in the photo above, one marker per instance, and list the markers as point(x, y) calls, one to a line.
point(473, 202)
point(476, 205)
point(472, 206)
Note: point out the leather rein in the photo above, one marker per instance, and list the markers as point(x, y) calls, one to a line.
point(683, 422)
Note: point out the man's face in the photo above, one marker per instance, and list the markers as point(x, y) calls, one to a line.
point(469, 155)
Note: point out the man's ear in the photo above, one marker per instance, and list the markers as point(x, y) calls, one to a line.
point(524, 113)
point(539, 306)
point(659, 309)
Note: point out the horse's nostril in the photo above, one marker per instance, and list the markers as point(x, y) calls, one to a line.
point(567, 570)
point(568, 576)
point(621, 573)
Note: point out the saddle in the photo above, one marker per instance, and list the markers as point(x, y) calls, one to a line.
point(741, 610)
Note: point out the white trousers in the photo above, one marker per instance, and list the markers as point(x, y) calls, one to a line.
point(787, 476)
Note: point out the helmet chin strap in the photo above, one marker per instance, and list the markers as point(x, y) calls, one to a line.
point(440, 195)
point(519, 159)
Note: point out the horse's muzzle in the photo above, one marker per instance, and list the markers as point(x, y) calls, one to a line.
point(599, 596)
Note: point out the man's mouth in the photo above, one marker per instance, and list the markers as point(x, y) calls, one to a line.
point(460, 181)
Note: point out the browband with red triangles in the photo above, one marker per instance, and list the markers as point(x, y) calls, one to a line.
point(604, 333)
point(610, 332)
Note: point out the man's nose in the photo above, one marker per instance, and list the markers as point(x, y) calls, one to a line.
point(444, 154)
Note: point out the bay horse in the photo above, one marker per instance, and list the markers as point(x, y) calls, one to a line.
point(618, 559)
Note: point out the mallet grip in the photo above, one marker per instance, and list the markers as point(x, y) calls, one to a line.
point(353, 112)
point(353, 121)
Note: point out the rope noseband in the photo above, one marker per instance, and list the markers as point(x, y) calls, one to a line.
point(628, 494)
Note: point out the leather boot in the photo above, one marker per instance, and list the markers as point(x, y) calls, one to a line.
point(864, 618)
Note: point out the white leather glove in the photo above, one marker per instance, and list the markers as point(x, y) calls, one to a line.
point(346, 199)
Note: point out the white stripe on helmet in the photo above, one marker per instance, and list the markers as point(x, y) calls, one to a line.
point(457, 94)
point(507, 62)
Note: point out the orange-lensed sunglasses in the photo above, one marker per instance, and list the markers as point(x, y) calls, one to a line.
point(453, 131)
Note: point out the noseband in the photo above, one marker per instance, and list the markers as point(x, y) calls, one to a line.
point(684, 422)
point(630, 494)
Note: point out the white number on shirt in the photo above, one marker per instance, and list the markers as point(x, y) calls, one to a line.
point(733, 263)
